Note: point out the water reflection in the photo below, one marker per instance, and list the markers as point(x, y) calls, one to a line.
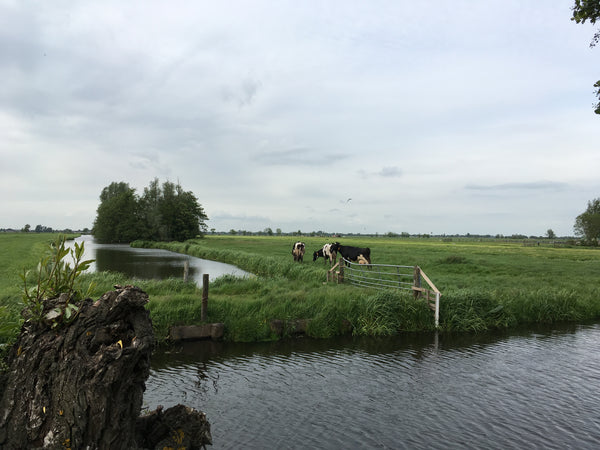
point(148, 264)
point(520, 390)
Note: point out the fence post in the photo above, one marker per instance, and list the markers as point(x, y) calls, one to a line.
point(341, 274)
point(417, 281)
point(204, 297)
point(186, 270)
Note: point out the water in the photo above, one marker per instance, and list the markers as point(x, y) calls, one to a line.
point(525, 390)
point(145, 263)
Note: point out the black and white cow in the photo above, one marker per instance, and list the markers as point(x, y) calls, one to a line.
point(355, 254)
point(326, 253)
point(298, 250)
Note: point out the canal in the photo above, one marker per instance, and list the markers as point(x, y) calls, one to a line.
point(148, 264)
point(528, 389)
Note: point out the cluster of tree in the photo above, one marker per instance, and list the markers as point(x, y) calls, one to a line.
point(38, 229)
point(162, 213)
point(589, 10)
point(587, 224)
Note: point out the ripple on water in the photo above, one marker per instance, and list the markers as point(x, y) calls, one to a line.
point(514, 392)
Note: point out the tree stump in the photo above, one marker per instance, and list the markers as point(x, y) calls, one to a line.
point(80, 384)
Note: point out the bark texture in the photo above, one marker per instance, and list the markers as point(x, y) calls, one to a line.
point(80, 384)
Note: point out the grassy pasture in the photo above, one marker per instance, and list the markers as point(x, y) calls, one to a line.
point(485, 285)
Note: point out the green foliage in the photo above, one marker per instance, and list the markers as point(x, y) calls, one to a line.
point(162, 213)
point(587, 224)
point(589, 10)
point(53, 276)
point(118, 216)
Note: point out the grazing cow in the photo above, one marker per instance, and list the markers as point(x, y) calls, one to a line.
point(362, 260)
point(298, 251)
point(353, 253)
point(318, 254)
point(326, 253)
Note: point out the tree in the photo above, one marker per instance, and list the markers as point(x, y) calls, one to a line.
point(26, 228)
point(164, 213)
point(150, 206)
point(587, 224)
point(118, 218)
point(550, 234)
point(43, 229)
point(181, 216)
point(589, 10)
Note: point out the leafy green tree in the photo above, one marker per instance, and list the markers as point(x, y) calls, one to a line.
point(163, 213)
point(150, 207)
point(587, 224)
point(589, 10)
point(182, 217)
point(551, 234)
point(118, 217)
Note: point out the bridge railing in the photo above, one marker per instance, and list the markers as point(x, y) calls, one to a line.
point(388, 276)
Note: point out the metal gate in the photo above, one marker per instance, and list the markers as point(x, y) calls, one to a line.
point(388, 276)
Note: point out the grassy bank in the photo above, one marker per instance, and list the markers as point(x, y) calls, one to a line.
point(485, 285)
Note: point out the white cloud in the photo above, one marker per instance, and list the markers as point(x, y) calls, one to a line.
point(431, 117)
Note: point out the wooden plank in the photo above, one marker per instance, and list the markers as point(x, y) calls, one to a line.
point(420, 289)
point(429, 282)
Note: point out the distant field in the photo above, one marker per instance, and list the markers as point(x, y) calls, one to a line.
point(485, 285)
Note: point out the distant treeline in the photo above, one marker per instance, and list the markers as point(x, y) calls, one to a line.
point(41, 229)
point(390, 234)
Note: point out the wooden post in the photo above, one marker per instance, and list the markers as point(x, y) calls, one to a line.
point(437, 309)
point(341, 274)
point(186, 270)
point(417, 281)
point(204, 297)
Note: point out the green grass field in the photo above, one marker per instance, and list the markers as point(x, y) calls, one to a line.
point(485, 285)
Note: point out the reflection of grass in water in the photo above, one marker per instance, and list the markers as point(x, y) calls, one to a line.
point(203, 378)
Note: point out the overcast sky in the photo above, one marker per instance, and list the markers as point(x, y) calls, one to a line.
point(342, 116)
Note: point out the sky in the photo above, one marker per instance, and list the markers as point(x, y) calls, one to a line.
point(338, 116)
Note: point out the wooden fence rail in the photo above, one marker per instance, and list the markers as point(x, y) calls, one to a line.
point(388, 276)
